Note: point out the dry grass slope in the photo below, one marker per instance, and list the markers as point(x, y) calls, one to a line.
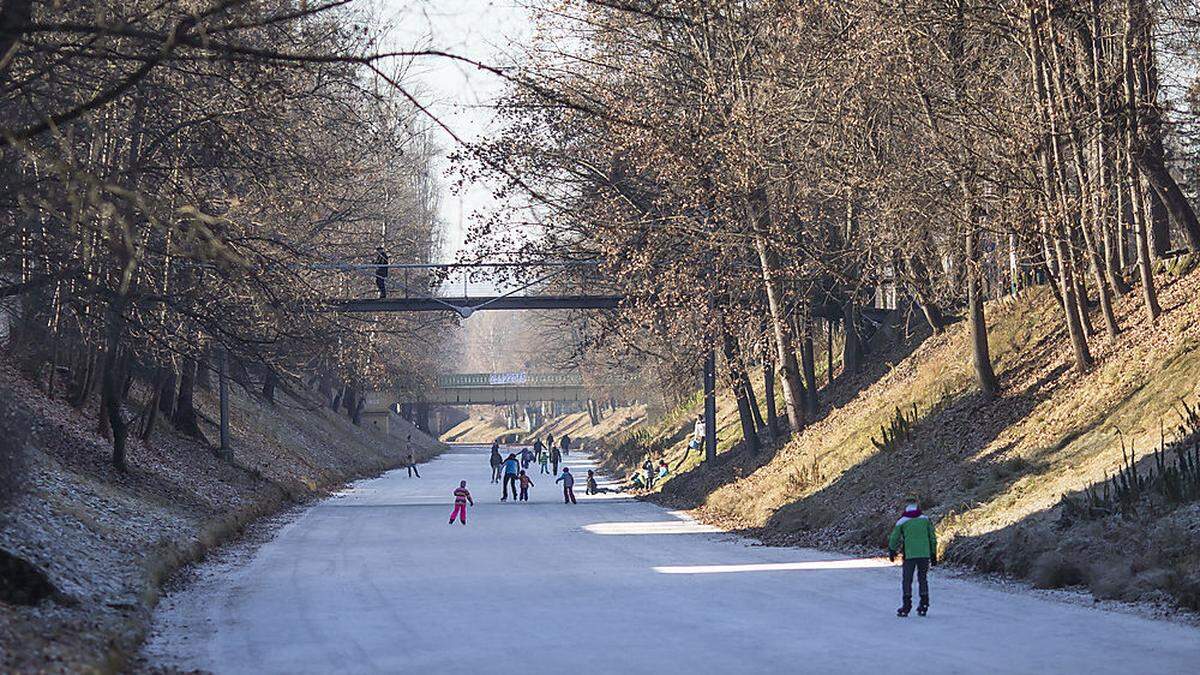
point(107, 540)
point(993, 473)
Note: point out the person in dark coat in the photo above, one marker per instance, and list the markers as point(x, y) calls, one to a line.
point(512, 469)
point(381, 271)
point(496, 461)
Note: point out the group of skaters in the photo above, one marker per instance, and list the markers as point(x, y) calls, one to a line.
point(512, 472)
point(548, 456)
point(912, 537)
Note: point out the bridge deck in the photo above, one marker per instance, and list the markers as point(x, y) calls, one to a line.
point(481, 303)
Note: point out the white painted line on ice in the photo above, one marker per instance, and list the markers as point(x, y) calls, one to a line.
point(652, 527)
point(851, 563)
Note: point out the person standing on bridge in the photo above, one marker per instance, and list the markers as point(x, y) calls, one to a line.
point(462, 497)
point(412, 458)
point(568, 482)
point(381, 271)
point(496, 461)
point(512, 468)
point(555, 458)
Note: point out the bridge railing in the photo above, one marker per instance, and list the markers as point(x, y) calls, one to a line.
point(472, 380)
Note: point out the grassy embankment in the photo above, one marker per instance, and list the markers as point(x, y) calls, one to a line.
point(107, 540)
point(993, 474)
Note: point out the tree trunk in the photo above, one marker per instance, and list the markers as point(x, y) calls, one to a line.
point(85, 380)
point(150, 415)
point(980, 354)
point(739, 383)
point(185, 418)
point(269, 381)
point(223, 386)
point(710, 404)
point(110, 384)
point(1081, 296)
point(1160, 223)
point(851, 349)
point(1083, 356)
point(785, 353)
point(829, 352)
point(768, 368)
point(1141, 239)
point(808, 367)
point(1168, 190)
point(204, 368)
point(166, 394)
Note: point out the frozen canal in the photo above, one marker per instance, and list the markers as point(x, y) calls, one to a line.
point(374, 580)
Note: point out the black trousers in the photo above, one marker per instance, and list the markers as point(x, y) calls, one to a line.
point(509, 479)
point(381, 284)
point(412, 468)
point(496, 474)
point(921, 565)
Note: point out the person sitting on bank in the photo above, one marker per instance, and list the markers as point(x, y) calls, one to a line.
point(696, 442)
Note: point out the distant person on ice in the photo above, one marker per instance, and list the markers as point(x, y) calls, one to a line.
point(543, 458)
point(462, 497)
point(381, 271)
point(555, 458)
point(512, 469)
point(696, 442)
point(412, 459)
point(526, 458)
point(526, 482)
point(915, 531)
point(568, 482)
point(565, 442)
point(496, 461)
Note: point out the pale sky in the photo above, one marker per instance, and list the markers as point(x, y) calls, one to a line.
point(482, 30)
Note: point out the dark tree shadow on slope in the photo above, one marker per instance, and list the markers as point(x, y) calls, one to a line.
point(1134, 547)
point(888, 347)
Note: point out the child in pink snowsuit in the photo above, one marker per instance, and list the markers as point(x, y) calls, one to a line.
point(462, 497)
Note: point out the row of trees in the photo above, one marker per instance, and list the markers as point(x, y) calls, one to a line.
point(173, 172)
point(747, 168)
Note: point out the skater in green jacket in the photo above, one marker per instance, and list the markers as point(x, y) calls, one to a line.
point(914, 531)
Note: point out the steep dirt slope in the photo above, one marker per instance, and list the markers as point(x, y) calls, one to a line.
point(106, 540)
point(992, 473)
